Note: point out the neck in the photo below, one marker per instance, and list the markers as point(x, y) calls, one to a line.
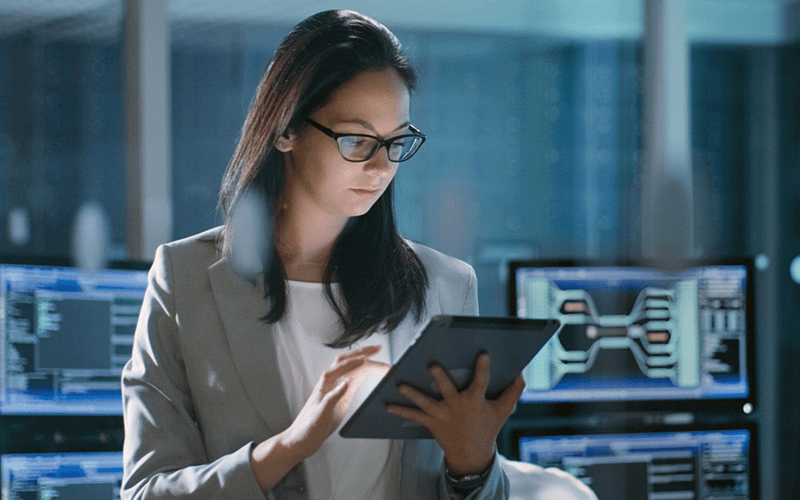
point(305, 243)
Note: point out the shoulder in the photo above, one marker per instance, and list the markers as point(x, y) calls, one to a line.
point(200, 249)
point(211, 238)
point(452, 284)
point(439, 265)
point(187, 258)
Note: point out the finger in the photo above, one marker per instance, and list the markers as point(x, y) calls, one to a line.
point(334, 395)
point(443, 382)
point(345, 366)
point(348, 362)
point(481, 381)
point(339, 370)
point(422, 401)
point(510, 395)
point(411, 414)
point(367, 351)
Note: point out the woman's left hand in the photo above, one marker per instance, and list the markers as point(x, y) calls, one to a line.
point(465, 423)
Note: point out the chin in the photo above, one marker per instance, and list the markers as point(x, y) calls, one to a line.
point(357, 208)
point(359, 211)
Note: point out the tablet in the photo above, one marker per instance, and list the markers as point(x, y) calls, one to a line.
point(454, 342)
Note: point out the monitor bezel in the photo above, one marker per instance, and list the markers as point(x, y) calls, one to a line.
point(743, 405)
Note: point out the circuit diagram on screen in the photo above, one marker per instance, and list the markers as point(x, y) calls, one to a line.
point(660, 332)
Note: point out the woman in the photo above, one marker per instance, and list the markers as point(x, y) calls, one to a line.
point(236, 387)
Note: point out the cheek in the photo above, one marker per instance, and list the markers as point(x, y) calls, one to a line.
point(320, 172)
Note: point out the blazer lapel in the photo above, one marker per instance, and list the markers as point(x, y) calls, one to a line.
point(410, 451)
point(408, 330)
point(242, 305)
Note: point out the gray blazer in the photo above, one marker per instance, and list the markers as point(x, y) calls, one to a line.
point(203, 383)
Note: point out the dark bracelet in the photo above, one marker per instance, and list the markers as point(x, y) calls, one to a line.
point(466, 483)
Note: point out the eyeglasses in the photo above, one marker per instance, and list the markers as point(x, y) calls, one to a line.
point(362, 147)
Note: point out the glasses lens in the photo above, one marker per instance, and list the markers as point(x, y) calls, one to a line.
point(360, 148)
point(357, 148)
point(404, 148)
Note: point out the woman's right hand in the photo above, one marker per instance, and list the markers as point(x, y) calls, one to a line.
point(272, 459)
point(320, 417)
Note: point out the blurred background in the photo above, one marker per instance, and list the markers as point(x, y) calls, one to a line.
point(553, 128)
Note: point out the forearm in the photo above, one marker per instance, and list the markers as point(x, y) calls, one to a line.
point(271, 461)
point(154, 475)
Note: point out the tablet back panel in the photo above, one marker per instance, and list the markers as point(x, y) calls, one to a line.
point(454, 342)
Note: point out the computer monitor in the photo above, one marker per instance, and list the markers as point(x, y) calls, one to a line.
point(65, 476)
point(637, 336)
point(65, 335)
point(699, 463)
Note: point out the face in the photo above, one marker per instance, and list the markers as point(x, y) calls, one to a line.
point(318, 179)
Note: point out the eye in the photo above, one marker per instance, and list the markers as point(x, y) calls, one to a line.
point(399, 146)
point(354, 141)
point(357, 148)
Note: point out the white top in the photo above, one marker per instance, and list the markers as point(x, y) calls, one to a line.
point(342, 468)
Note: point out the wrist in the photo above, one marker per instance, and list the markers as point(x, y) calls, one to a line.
point(271, 460)
point(476, 465)
point(456, 473)
point(465, 483)
point(291, 448)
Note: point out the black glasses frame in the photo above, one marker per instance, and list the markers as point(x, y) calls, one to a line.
point(381, 142)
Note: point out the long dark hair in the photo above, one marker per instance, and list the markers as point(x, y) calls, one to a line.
point(380, 276)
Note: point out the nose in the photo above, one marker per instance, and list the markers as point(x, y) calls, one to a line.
point(380, 165)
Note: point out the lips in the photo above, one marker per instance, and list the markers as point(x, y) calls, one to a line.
point(365, 192)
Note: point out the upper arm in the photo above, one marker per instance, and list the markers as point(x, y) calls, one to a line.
point(164, 452)
point(160, 432)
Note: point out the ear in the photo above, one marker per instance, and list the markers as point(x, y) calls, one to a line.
point(285, 142)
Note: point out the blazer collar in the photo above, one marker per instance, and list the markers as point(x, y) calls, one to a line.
point(242, 305)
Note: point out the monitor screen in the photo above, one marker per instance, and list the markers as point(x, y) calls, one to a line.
point(65, 335)
point(65, 476)
point(636, 333)
point(689, 464)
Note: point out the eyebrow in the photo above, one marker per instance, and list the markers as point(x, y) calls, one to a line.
point(368, 125)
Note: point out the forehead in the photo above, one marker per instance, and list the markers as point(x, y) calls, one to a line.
point(378, 97)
